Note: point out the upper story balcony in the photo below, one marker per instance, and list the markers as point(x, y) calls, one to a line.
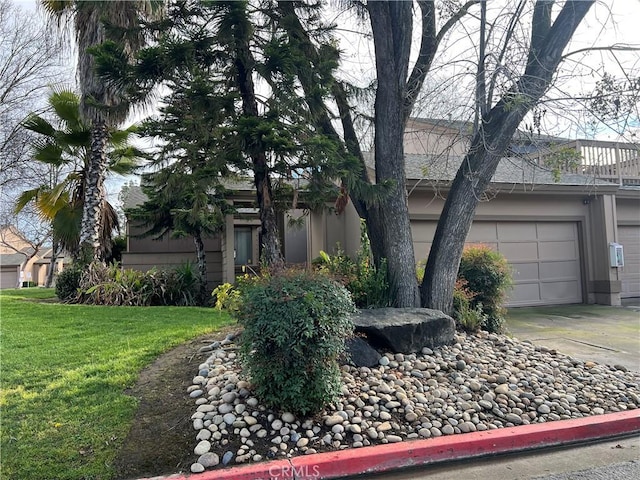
point(617, 162)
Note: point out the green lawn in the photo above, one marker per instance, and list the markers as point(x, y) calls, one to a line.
point(64, 369)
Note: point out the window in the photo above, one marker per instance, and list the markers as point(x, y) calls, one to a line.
point(243, 245)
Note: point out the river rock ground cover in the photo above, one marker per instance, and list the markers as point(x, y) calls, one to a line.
point(482, 382)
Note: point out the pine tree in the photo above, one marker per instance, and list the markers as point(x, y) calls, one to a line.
point(221, 51)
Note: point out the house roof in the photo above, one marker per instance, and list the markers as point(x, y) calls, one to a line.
point(466, 127)
point(511, 170)
point(441, 169)
point(45, 258)
point(12, 259)
point(134, 196)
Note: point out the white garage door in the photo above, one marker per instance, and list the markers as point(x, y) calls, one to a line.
point(8, 276)
point(629, 237)
point(545, 257)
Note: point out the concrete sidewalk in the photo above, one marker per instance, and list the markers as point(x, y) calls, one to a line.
point(607, 335)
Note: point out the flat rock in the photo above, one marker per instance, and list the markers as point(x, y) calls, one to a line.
point(405, 330)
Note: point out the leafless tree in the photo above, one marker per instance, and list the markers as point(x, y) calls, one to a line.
point(30, 64)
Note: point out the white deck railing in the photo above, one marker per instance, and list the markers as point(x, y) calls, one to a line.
point(614, 161)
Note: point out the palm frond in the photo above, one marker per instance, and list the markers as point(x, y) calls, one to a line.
point(25, 198)
point(124, 161)
point(49, 152)
point(66, 227)
point(76, 138)
point(66, 105)
point(120, 137)
point(35, 123)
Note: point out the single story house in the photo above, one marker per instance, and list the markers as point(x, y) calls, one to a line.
point(18, 261)
point(556, 232)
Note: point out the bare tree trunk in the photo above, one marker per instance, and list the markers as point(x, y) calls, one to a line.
point(55, 250)
point(201, 258)
point(391, 23)
point(488, 146)
point(94, 192)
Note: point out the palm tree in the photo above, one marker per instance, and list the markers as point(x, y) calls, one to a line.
point(66, 150)
point(101, 107)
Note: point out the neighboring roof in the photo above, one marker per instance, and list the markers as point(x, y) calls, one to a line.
point(12, 259)
point(466, 127)
point(134, 196)
point(243, 189)
point(45, 258)
point(510, 170)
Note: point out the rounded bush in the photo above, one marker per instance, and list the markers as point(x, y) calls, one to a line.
point(488, 277)
point(295, 326)
point(67, 284)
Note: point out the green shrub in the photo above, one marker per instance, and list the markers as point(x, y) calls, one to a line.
point(368, 285)
point(227, 297)
point(183, 286)
point(101, 284)
point(488, 277)
point(111, 285)
point(67, 284)
point(467, 317)
point(295, 326)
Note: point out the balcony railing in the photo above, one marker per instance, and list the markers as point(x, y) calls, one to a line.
point(614, 161)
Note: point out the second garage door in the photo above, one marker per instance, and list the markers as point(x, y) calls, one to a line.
point(8, 276)
point(629, 236)
point(545, 257)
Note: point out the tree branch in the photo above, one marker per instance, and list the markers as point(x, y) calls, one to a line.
point(428, 48)
point(540, 26)
point(616, 47)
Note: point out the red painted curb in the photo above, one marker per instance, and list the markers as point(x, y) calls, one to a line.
point(393, 456)
point(383, 458)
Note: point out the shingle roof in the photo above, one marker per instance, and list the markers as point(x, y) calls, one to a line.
point(12, 259)
point(134, 196)
point(466, 127)
point(510, 170)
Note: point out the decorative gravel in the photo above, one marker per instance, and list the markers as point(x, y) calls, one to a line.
point(482, 382)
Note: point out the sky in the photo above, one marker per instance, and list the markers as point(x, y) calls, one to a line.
point(608, 23)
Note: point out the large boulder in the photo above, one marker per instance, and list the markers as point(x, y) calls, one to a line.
point(405, 330)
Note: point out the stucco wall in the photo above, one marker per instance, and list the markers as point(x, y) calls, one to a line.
point(628, 211)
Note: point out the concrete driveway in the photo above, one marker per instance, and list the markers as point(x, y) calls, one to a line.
point(607, 335)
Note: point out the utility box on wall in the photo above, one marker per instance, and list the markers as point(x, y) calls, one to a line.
point(616, 255)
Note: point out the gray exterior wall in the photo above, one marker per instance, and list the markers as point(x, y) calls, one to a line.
point(144, 253)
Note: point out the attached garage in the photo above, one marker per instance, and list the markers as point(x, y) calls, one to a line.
point(629, 237)
point(545, 257)
point(9, 275)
